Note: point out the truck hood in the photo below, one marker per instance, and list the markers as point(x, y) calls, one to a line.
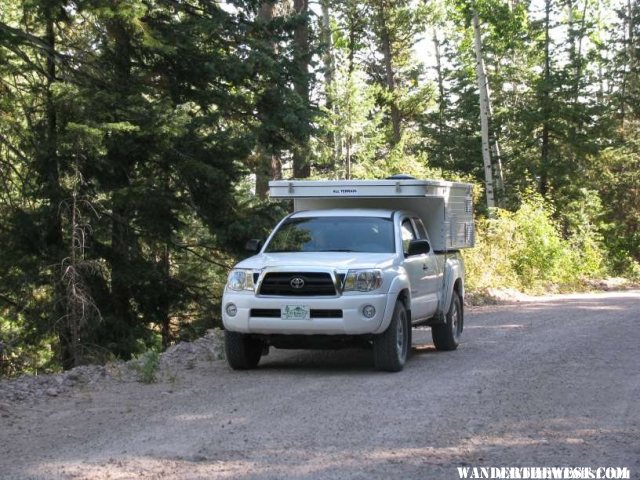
point(334, 260)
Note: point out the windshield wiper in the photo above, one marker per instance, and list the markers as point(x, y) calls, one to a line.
point(337, 250)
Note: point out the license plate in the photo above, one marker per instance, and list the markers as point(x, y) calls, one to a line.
point(295, 312)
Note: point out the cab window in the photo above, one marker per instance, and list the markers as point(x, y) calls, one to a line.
point(422, 232)
point(407, 233)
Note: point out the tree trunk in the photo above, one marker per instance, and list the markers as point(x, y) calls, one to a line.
point(329, 79)
point(496, 155)
point(269, 168)
point(268, 164)
point(387, 56)
point(301, 160)
point(627, 29)
point(74, 307)
point(631, 7)
point(575, 57)
point(263, 172)
point(164, 307)
point(544, 161)
point(579, 54)
point(353, 26)
point(122, 238)
point(50, 169)
point(484, 113)
point(571, 33)
point(327, 58)
point(121, 241)
point(441, 99)
point(632, 59)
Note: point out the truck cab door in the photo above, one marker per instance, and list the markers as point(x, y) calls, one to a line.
point(414, 265)
point(432, 269)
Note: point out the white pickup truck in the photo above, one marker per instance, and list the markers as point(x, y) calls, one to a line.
point(356, 263)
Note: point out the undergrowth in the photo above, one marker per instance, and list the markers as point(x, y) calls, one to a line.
point(525, 250)
point(146, 366)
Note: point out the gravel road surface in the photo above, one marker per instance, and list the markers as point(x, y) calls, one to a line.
point(553, 382)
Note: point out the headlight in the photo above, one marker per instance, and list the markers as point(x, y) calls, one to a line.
point(240, 280)
point(362, 280)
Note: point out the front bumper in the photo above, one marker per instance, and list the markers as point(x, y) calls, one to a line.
point(353, 321)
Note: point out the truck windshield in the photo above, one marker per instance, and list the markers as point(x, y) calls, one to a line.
point(334, 234)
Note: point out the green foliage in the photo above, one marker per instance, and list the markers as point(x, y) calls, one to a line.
point(146, 366)
point(525, 250)
point(22, 350)
point(355, 118)
point(151, 118)
point(619, 184)
point(154, 106)
point(539, 253)
point(374, 102)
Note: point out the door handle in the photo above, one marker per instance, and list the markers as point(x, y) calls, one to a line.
point(425, 266)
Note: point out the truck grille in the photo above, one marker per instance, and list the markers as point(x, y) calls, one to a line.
point(275, 313)
point(280, 283)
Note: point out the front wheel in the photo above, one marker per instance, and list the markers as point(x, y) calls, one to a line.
point(243, 352)
point(447, 335)
point(391, 348)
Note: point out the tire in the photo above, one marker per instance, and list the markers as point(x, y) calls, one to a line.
point(242, 351)
point(447, 335)
point(391, 348)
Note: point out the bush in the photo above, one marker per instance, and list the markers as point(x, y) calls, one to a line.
point(146, 365)
point(22, 350)
point(487, 265)
point(525, 250)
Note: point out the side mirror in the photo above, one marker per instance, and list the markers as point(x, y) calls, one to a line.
point(254, 245)
point(419, 247)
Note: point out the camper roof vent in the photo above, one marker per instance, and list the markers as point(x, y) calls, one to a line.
point(401, 176)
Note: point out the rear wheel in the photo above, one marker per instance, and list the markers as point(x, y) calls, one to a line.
point(447, 335)
point(243, 352)
point(391, 348)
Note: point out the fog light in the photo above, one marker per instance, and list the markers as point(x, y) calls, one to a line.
point(231, 309)
point(369, 311)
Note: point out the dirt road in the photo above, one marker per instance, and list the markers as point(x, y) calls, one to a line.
point(555, 382)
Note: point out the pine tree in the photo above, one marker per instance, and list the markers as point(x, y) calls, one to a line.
point(153, 105)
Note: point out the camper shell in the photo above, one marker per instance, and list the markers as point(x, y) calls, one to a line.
point(445, 208)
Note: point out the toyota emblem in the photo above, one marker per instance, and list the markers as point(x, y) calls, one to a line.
point(296, 282)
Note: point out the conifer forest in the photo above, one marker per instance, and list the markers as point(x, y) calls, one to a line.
point(138, 137)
